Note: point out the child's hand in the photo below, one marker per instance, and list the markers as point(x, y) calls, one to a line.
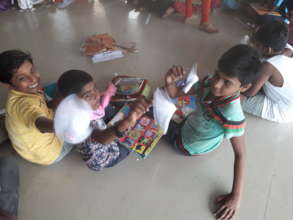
point(138, 110)
point(229, 206)
point(175, 74)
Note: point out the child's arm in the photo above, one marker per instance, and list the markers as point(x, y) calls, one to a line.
point(175, 74)
point(266, 73)
point(107, 95)
point(230, 203)
point(45, 125)
point(110, 134)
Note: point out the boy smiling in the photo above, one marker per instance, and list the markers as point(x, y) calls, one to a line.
point(28, 118)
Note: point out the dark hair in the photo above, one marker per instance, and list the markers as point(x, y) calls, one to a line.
point(10, 61)
point(72, 81)
point(241, 61)
point(272, 35)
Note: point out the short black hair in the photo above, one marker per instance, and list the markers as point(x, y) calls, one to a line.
point(272, 35)
point(10, 61)
point(72, 81)
point(241, 61)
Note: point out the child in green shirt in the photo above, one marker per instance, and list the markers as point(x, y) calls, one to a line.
point(218, 115)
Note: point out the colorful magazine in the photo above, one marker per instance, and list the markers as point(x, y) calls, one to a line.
point(143, 137)
point(129, 89)
point(185, 105)
point(129, 86)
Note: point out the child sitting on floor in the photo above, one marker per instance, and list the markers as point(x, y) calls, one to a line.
point(100, 150)
point(190, 7)
point(218, 115)
point(271, 96)
point(28, 118)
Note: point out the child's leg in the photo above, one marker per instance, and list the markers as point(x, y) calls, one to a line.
point(172, 133)
point(254, 105)
point(205, 13)
point(168, 12)
point(172, 137)
point(123, 153)
point(110, 112)
point(188, 11)
point(9, 183)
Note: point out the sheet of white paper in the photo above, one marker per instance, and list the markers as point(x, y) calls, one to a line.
point(72, 120)
point(163, 108)
point(106, 56)
point(191, 79)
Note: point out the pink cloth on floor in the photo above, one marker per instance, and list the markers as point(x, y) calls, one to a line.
point(106, 97)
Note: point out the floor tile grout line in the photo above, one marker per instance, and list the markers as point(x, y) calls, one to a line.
point(269, 196)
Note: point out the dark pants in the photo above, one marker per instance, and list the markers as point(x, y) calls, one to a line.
point(110, 112)
point(124, 152)
point(9, 183)
point(172, 133)
point(173, 136)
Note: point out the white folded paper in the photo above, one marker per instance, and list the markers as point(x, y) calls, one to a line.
point(191, 79)
point(163, 108)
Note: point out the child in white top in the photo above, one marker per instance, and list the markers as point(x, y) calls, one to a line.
point(271, 96)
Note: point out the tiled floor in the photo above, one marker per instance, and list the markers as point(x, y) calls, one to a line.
point(165, 185)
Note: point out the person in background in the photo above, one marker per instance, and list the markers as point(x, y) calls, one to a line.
point(205, 24)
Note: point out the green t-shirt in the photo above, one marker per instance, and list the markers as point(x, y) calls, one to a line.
point(211, 122)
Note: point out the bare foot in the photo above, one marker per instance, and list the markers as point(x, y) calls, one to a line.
point(168, 12)
point(188, 20)
point(209, 28)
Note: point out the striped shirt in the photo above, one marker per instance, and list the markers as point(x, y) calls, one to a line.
point(212, 121)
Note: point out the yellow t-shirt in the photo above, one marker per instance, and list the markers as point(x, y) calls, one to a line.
point(22, 110)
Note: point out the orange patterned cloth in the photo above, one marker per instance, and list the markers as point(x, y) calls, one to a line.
point(98, 43)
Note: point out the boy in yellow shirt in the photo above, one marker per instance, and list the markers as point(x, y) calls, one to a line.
point(28, 118)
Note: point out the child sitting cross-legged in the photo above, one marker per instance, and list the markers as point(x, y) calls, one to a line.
point(271, 96)
point(218, 115)
point(100, 150)
point(28, 118)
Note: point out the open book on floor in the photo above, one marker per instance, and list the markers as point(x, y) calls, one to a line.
point(143, 137)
